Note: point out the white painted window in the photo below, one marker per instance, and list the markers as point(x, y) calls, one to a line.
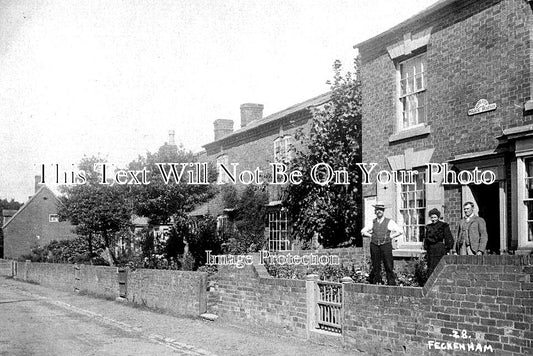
point(222, 175)
point(53, 218)
point(413, 96)
point(412, 208)
point(283, 149)
point(279, 230)
point(528, 199)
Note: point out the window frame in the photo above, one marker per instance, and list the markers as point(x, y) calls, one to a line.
point(407, 225)
point(53, 218)
point(275, 229)
point(283, 149)
point(403, 98)
point(527, 200)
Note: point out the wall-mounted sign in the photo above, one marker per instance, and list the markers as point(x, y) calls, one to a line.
point(482, 106)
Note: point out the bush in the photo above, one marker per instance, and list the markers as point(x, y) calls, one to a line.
point(187, 262)
point(414, 273)
point(285, 271)
point(246, 231)
point(204, 238)
point(65, 251)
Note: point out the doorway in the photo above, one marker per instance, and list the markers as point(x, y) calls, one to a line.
point(487, 201)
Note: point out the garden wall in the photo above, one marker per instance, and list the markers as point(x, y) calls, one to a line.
point(99, 281)
point(470, 303)
point(6, 268)
point(469, 300)
point(178, 292)
point(55, 275)
point(245, 296)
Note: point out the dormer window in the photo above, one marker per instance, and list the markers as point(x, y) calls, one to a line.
point(413, 101)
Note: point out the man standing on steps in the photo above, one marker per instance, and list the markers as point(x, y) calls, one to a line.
point(472, 234)
point(383, 232)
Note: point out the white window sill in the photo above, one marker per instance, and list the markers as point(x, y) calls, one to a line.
point(528, 107)
point(410, 133)
point(404, 251)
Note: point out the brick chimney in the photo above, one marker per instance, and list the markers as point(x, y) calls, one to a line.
point(222, 128)
point(251, 112)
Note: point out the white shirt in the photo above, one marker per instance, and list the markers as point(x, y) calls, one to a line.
point(391, 226)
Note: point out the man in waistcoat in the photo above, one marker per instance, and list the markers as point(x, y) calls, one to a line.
point(472, 233)
point(382, 232)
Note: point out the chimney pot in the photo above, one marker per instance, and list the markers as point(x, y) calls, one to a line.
point(250, 112)
point(171, 137)
point(37, 183)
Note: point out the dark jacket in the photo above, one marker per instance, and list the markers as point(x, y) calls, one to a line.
point(476, 234)
point(438, 232)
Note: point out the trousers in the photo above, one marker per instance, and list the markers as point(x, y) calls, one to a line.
point(378, 254)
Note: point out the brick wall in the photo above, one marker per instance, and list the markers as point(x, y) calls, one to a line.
point(53, 275)
point(246, 297)
point(257, 150)
point(484, 55)
point(5, 268)
point(477, 50)
point(179, 292)
point(99, 281)
point(453, 207)
point(490, 297)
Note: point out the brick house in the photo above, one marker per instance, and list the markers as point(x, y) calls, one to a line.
point(36, 223)
point(453, 84)
point(257, 143)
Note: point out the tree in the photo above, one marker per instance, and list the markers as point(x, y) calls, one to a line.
point(201, 237)
point(161, 199)
point(96, 209)
point(11, 205)
point(248, 234)
point(332, 211)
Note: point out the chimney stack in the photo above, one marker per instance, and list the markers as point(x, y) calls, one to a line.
point(38, 184)
point(171, 137)
point(222, 128)
point(250, 112)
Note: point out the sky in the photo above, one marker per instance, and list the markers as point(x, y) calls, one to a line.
point(111, 78)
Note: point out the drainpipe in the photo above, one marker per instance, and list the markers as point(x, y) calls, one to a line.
point(528, 106)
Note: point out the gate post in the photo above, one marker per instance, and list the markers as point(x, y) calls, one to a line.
point(344, 280)
point(122, 283)
point(27, 265)
point(77, 278)
point(310, 288)
point(14, 269)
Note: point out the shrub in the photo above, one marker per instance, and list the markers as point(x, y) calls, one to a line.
point(65, 251)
